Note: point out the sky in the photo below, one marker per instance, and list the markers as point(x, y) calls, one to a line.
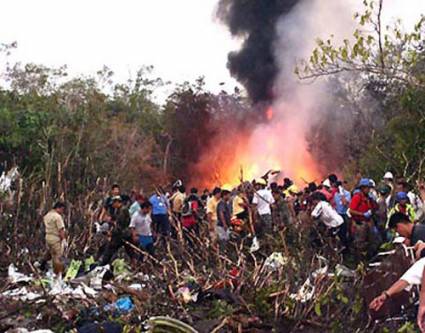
point(180, 38)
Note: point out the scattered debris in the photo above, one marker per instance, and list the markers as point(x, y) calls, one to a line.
point(275, 261)
point(16, 277)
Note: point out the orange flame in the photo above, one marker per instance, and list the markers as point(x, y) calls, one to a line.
point(276, 145)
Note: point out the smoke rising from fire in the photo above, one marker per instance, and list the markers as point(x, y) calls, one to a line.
point(254, 65)
point(277, 34)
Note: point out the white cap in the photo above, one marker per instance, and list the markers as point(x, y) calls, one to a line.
point(388, 175)
point(326, 183)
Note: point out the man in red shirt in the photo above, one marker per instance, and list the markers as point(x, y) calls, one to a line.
point(361, 208)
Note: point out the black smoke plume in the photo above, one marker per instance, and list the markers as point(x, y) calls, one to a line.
point(254, 65)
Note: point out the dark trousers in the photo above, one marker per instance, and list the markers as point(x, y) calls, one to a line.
point(162, 224)
point(113, 247)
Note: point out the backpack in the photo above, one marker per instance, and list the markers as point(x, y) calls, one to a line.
point(187, 208)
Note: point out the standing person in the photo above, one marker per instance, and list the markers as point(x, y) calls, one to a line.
point(205, 196)
point(107, 205)
point(190, 211)
point(240, 205)
point(212, 217)
point(135, 206)
point(389, 180)
point(280, 209)
point(120, 234)
point(177, 201)
point(55, 237)
point(403, 206)
point(342, 200)
point(224, 214)
point(326, 189)
point(335, 183)
point(263, 199)
point(160, 214)
point(324, 212)
point(361, 211)
point(140, 227)
point(414, 199)
point(384, 192)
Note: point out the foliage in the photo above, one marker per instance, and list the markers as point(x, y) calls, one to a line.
point(377, 95)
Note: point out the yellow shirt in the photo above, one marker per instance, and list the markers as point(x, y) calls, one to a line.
point(212, 207)
point(178, 200)
point(236, 205)
point(53, 222)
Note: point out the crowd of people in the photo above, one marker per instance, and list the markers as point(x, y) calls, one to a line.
point(360, 218)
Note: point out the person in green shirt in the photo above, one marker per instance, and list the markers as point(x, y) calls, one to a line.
point(403, 206)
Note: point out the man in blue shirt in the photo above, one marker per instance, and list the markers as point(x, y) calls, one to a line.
point(160, 214)
point(342, 200)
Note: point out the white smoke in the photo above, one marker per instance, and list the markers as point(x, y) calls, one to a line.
point(300, 105)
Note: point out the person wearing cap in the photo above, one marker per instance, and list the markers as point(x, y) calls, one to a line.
point(326, 190)
point(414, 199)
point(389, 180)
point(262, 200)
point(224, 213)
point(212, 217)
point(373, 193)
point(403, 206)
point(107, 206)
point(361, 211)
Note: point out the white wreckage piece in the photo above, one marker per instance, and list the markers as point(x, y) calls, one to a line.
point(15, 277)
point(275, 261)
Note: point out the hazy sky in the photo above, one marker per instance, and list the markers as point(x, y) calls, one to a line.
point(179, 37)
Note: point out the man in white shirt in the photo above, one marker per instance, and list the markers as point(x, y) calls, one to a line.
point(263, 199)
point(140, 227)
point(324, 212)
point(413, 276)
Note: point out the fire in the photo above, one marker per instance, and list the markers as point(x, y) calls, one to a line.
point(275, 145)
point(269, 113)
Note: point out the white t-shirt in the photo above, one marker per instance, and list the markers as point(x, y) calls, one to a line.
point(141, 223)
point(414, 274)
point(327, 215)
point(263, 199)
